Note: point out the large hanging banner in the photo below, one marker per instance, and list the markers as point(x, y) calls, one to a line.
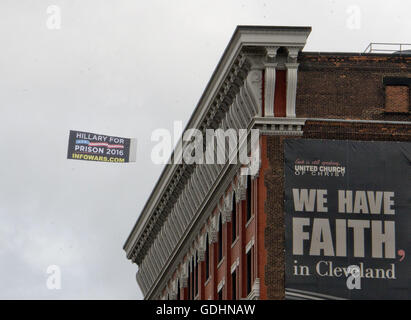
point(347, 219)
point(97, 147)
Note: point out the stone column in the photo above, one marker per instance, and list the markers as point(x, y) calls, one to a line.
point(292, 69)
point(269, 81)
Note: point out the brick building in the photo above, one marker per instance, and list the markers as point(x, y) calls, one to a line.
point(209, 232)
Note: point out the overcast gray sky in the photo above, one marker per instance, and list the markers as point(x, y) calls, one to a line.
point(120, 68)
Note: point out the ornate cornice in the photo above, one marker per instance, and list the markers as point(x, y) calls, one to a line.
point(255, 290)
point(231, 100)
point(224, 98)
point(279, 126)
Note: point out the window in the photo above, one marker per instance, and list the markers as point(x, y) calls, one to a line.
point(220, 239)
point(397, 95)
point(220, 294)
point(195, 275)
point(234, 285)
point(207, 258)
point(178, 290)
point(249, 266)
point(234, 220)
point(188, 282)
point(248, 198)
point(191, 292)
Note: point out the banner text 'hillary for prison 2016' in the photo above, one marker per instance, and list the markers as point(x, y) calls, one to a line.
point(347, 205)
point(97, 147)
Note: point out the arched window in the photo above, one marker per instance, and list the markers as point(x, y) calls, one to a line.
point(234, 220)
point(207, 259)
point(220, 239)
point(248, 198)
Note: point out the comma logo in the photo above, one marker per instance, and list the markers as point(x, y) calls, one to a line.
point(54, 279)
point(401, 253)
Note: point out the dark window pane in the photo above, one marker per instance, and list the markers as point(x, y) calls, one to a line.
point(195, 275)
point(248, 198)
point(220, 240)
point(234, 220)
point(234, 285)
point(248, 272)
point(207, 257)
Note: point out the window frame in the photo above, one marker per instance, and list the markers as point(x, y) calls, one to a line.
point(249, 199)
point(249, 271)
point(220, 253)
point(207, 260)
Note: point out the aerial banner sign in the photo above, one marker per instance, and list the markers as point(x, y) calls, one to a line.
point(347, 219)
point(97, 147)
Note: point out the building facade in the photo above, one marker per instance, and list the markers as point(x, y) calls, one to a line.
point(209, 231)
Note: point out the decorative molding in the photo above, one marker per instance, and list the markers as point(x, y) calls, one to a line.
point(212, 238)
point(249, 245)
point(228, 201)
point(235, 265)
point(279, 126)
point(269, 89)
point(173, 290)
point(271, 52)
point(255, 290)
point(256, 159)
point(292, 69)
point(221, 284)
point(252, 90)
point(207, 221)
point(184, 281)
point(293, 53)
point(227, 207)
point(241, 188)
point(201, 254)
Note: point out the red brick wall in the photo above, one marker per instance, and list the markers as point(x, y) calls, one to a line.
point(273, 209)
point(347, 86)
point(262, 220)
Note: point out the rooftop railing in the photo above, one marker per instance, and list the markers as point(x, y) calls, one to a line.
point(381, 47)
